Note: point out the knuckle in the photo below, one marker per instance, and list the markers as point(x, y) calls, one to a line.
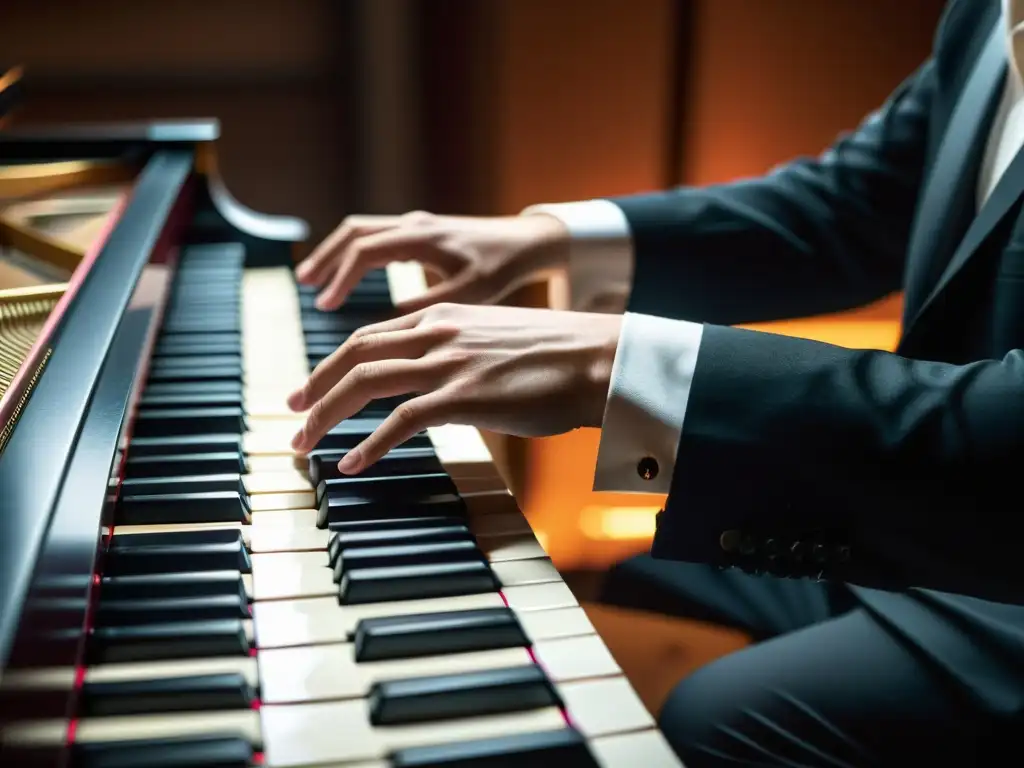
point(407, 414)
point(365, 373)
point(417, 218)
point(316, 416)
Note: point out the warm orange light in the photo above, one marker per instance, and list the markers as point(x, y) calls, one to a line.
point(617, 523)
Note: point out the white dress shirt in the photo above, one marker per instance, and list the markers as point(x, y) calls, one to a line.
point(656, 358)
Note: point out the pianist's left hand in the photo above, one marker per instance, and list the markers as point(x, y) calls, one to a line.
point(526, 372)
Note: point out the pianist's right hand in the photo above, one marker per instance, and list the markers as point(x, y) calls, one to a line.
point(480, 260)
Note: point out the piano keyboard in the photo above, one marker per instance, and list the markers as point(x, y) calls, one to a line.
point(258, 609)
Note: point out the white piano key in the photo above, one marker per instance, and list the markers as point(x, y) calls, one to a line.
point(289, 480)
point(162, 670)
point(494, 501)
point(604, 707)
point(575, 658)
point(292, 575)
point(519, 546)
point(539, 597)
point(554, 623)
point(629, 750)
point(518, 573)
point(274, 501)
point(286, 538)
point(277, 461)
point(503, 524)
point(242, 723)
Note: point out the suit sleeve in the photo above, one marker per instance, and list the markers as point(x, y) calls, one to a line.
point(803, 459)
point(813, 236)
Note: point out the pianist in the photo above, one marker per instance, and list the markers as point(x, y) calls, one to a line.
point(859, 501)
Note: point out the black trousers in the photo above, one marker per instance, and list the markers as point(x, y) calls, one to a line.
point(825, 685)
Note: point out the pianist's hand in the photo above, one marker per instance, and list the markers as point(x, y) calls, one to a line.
point(482, 260)
point(527, 372)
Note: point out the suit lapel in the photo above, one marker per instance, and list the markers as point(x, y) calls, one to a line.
point(948, 199)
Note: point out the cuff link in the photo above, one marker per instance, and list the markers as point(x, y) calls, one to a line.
point(647, 468)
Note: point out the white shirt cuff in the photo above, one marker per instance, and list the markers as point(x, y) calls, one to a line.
point(600, 253)
point(643, 419)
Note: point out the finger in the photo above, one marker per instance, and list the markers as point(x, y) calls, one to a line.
point(314, 268)
point(365, 382)
point(404, 423)
point(362, 347)
point(362, 254)
point(463, 288)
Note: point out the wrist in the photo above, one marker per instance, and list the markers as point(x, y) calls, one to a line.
point(549, 242)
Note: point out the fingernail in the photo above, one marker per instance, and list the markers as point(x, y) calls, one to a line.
point(298, 439)
point(321, 303)
point(350, 462)
point(295, 400)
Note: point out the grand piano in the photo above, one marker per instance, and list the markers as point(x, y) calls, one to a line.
point(177, 588)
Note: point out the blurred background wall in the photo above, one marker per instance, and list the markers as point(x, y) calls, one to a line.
point(483, 107)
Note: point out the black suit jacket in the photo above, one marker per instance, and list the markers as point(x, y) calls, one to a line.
point(893, 472)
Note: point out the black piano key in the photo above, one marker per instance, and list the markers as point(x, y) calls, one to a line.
point(564, 748)
point(415, 582)
point(227, 751)
point(156, 642)
point(323, 321)
point(218, 507)
point(162, 610)
point(197, 693)
point(470, 694)
point(375, 538)
point(188, 373)
point(189, 421)
point(409, 487)
point(339, 509)
point(220, 256)
point(194, 387)
point(193, 400)
point(133, 558)
point(186, 307)
point(344, 437)
point(183, 464)
point(175, 538)
point(197, 324)
point(323, 465)
point(181, 445)
point(197, 361)
point(147, 486)
point(406, 554)
point(395, 523)
point(196, 347)
point(208, 337)
point(319, 351)
point(326, 337)
point(430, 634)
point(183, 584)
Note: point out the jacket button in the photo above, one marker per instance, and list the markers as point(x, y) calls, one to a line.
point(730, 540)
point(798, 551)
point(647, 468)
point(843, 554)
point(819, 553)
point(772, 549)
